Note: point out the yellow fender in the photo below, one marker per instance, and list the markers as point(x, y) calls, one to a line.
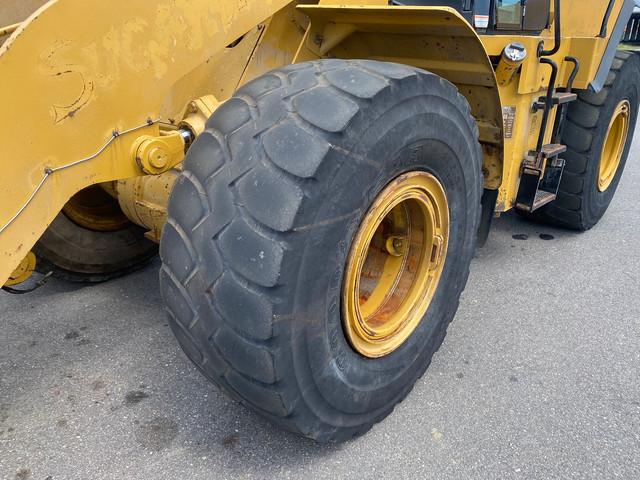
point(437, 39)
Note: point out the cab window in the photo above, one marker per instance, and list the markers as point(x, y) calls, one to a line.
point(509, 14)
point(528, 15)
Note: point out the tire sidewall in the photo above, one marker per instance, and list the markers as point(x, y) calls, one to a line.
point(439, 142)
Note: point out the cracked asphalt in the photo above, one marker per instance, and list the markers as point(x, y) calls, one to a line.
point(537, 378)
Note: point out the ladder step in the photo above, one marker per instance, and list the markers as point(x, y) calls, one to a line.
point(553, 150)
point(539, 184)
point(542, 198)
point(559, 98)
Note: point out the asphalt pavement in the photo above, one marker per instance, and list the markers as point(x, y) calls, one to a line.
point(537, 378)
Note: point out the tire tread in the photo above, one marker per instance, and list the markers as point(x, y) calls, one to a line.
point(248, 360)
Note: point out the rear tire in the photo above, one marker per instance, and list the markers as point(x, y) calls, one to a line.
point(262, 220)
point(581, 203)
point(112, 248)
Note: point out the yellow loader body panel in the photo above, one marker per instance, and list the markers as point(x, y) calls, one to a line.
point(82, 82)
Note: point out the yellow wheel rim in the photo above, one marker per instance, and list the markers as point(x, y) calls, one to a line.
point(94, 209)
point(395, 264)
point(23, 271)
point(614, 144)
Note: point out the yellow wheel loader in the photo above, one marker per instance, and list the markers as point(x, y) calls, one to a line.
point(317, 174)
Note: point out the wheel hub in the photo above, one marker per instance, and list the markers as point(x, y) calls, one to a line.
point(395, 264)
point(94, 209)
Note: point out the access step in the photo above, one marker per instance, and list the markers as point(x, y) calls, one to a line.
point(559, 98)
point(540, 180)
point(542, 198)
point(536, 192)
point(553, 150)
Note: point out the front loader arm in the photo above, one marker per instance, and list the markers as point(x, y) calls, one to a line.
point(81, 81)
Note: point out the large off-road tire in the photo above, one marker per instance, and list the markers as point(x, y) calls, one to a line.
point(99, 246)
point(262, 221)
point(584, 195)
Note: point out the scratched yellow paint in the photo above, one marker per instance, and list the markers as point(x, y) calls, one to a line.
point(77, 70)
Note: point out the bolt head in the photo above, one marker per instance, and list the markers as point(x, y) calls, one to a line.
point(158, 158)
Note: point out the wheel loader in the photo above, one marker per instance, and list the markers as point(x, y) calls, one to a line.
point(315, 175)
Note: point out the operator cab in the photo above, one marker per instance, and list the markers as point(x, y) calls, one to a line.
point(495, 16)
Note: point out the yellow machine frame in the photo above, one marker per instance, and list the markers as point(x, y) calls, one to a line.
point(94, 92)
